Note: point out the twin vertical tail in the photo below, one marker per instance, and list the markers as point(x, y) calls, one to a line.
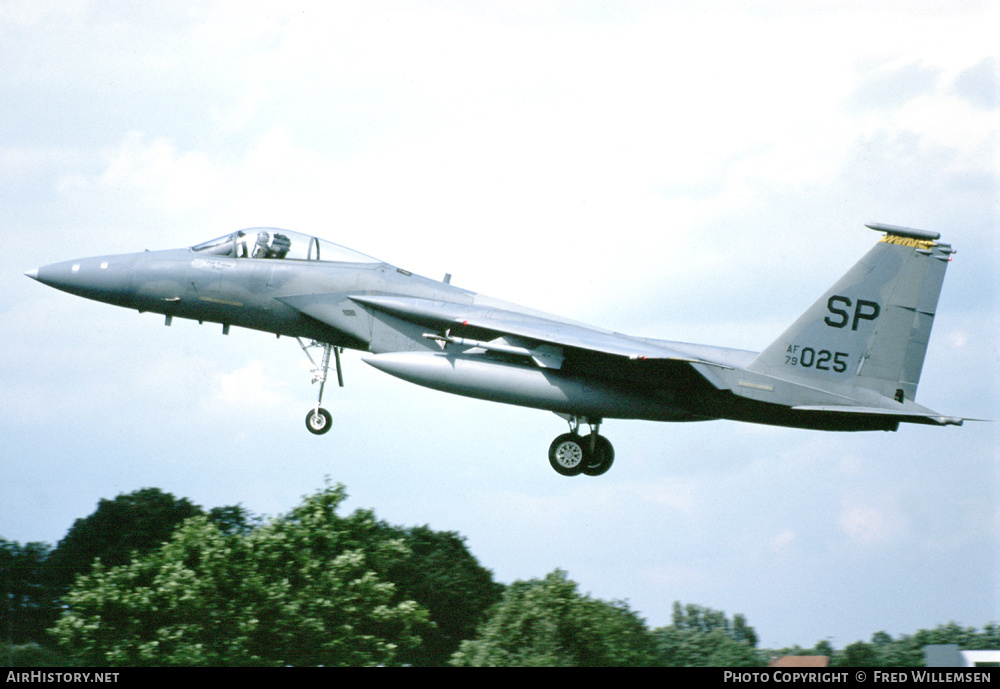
point(869, 332)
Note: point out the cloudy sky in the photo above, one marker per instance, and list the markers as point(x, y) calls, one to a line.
point(690, 171)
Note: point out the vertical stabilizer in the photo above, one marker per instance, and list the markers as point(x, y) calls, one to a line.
point(870, 330)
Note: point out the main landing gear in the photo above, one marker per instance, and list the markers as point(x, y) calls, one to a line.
point(571, 454)
point(319, 420)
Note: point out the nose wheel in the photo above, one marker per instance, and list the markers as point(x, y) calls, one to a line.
point(571, 454)
point(319, 420)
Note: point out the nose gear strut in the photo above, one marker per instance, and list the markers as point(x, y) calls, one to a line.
point(319, 420)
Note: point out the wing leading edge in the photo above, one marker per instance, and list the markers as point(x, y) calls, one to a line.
point(443, 315)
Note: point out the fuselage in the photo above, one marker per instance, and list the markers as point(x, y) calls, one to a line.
point(243, 292)
point(412, 328)
point(270, 295)
point(851, 362)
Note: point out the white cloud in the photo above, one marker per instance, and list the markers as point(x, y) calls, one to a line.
point(181, 181)
point(869, 523)
point(958, 337)
point(675, 495)
point(250, 388)
point(782, 542)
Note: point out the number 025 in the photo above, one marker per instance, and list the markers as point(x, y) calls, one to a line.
point(823, 360)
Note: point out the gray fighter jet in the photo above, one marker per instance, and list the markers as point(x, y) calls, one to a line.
point(851, 362)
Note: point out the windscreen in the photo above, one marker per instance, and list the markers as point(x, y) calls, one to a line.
point(274, 243)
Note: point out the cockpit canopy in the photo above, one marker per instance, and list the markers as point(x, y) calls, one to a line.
point(275, 243)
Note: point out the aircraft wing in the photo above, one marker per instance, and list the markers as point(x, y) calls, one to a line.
point(444, 315)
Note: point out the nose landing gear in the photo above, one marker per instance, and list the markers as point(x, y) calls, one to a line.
point(319, 420)
point(571, 454)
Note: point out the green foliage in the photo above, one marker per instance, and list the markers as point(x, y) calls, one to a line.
point(306, 589)
point(858, 654)
point(444, 577)
point(313, 588)
point(138, 521)
point(32, 655)
point(27, 600)
point(822, 648)
point(546, 622)
point(967, 638)
point(702, 637)
point(33, 578)
point(908, 650)
point(234, 520)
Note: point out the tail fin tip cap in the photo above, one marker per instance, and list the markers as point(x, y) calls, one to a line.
point(903, 231)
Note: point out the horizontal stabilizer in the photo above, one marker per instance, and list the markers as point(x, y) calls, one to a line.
point(925, 416)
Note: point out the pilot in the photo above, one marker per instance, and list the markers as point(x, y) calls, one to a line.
point(280, 246)
point(261, 249)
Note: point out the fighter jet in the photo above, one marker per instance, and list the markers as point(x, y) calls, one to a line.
point(851, 362)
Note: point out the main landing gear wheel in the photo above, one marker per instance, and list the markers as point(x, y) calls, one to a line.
point(319, 421)
point(571, 455)
point(568, 454)
point(602, 455)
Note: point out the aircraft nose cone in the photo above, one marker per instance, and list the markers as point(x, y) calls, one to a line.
point(102, 278)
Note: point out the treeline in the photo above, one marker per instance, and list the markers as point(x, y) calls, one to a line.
point(905, 651)
point(149, 579)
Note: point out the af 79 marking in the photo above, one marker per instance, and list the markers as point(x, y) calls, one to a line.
point(828, 371)
point(807, 357)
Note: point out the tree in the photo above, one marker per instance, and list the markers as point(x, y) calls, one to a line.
point(445, 578)
point(547, 622)
point(858, 654)
point(823, 648)
point(885, 652)
point(308, 588)
point(26, 598)
point(234, 519)
point(702, 637)
point(133, 522)
point(33, 577)
point(908, 649)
